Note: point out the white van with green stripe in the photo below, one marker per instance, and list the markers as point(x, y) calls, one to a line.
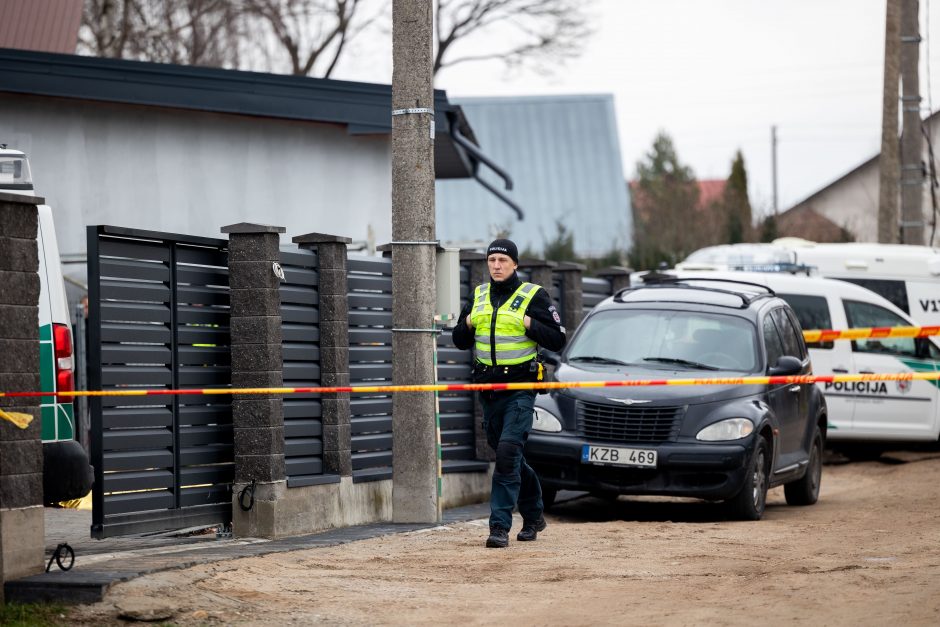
point(66, 472)
point(864, 417)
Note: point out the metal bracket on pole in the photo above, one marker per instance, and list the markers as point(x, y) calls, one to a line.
point(417, 110)
point(435, 242)
point(434, 331)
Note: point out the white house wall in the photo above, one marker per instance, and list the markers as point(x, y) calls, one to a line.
point(194, 172)
point(852, 201)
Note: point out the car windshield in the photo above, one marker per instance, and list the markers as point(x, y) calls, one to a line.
point(669, 339)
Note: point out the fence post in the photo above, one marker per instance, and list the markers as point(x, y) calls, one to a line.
point(334, 348)
point(540, 272)
point(618, 276)
point(22, 527)
point(572, 291)
point(478, 275)
point(258, 420)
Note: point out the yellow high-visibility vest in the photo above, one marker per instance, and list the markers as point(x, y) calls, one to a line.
point(512, 344)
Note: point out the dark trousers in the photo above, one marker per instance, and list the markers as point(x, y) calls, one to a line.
point(507, 420)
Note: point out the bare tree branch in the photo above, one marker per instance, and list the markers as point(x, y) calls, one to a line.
point(539, 32)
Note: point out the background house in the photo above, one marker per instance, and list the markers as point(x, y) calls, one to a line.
point(188, 149)
point(563, 154)
point(847, 208)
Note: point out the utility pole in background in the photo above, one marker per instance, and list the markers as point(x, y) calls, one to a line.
point(414, 249)
point(773, 162)
point(888, 163)
point(912, 168)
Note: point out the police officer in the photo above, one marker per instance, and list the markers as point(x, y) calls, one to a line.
point(505, 323)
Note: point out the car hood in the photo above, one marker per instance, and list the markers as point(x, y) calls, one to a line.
point(655, 394)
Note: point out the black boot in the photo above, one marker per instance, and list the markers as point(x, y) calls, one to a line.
point(530, 531)
point(499, 538)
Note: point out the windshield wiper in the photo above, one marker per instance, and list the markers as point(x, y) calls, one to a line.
point(599, 360)
point(682, 362)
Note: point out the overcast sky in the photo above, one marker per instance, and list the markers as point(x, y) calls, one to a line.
point(717, 74)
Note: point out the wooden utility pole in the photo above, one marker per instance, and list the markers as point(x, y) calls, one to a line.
point(912, 169)
point(414, 249)
point(773, 162)
point(888, 161)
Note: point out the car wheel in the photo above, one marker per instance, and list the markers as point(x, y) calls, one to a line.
point(749, 503)
point(805, 491)
point(548, 497)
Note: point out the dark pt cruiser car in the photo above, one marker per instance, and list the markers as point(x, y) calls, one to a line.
point(718, 442)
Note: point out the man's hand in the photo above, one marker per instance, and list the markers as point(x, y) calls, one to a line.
point(469, 323)
point(527, 321)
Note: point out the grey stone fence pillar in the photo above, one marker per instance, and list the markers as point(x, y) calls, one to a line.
point(618, 276)
point(540, 272)
point(22, 528)
point(478, 274)
point(571, 294)
point(334, 348)
point(258, 420)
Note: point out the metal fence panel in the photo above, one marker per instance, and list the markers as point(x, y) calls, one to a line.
point(369, 282)
point(158, 318)
point(593, 292)
point(300, 350)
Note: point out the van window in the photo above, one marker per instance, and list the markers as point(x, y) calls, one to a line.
point(772, 343)
point(868, 315)
point(788, 333)
point(895, 291)
point(812, 312)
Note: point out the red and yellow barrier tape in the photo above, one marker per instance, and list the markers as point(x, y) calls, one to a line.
point(862, 333)
point(482, 387)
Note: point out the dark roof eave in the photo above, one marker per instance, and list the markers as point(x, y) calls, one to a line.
point(364, 108)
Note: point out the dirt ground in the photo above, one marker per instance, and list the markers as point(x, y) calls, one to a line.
point(867, 554)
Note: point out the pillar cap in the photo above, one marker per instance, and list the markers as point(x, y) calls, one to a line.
point(526, 262)
point(21, 198)
point(321, 238)
point(570, 266)
point(247, 228)
point(614, 271)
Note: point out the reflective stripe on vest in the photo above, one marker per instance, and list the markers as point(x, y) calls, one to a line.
point(512, 344)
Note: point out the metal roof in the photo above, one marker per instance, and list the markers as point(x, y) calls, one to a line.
point(49, 25)
point(364, 108)
point(563, 153)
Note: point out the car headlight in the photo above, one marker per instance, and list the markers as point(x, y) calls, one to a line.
point(544, 420)
point(730, 429)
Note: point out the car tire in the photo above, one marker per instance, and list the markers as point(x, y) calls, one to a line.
point(750, 502)
point(805, 491)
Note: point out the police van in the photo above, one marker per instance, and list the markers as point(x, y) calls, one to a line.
point(874, 413)
point(908, 276)
point(66, 471)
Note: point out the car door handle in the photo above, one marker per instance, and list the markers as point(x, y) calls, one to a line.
point(842, 370)
point(866, 372)
point(795, 388)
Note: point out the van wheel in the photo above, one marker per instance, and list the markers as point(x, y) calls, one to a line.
point(750, 502)
point(805, 491)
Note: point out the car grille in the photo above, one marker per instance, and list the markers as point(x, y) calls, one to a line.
point(620, 423)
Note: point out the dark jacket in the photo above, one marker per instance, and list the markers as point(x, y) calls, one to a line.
point(545, 330)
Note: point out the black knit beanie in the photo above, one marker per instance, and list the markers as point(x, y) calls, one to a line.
point(504, 246)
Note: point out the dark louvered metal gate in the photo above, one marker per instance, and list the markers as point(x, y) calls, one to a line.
point(158, 318)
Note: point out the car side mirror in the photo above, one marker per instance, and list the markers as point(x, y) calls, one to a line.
point(551, 357)
point(785, 367)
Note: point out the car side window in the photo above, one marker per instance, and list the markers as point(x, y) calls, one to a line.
point(788, 333)
point(862, 314)
point(812, 313)
point(772, 342)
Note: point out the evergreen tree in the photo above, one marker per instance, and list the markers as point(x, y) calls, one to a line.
point(737, 207)
point(561, 247)
point(665, 197)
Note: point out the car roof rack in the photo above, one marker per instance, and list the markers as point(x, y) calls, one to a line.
point(666, 280)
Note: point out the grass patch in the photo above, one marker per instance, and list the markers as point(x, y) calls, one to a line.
point(32, 615)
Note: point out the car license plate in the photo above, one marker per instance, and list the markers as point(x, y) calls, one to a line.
point(614, 456)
